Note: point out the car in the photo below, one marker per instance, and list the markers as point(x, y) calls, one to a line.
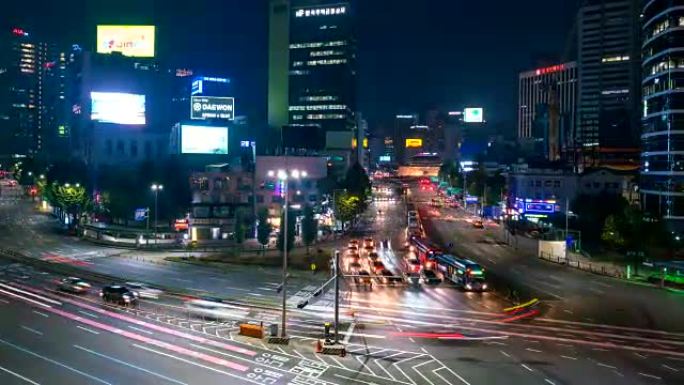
point(144, 291)
point(364, 278)
point(215, 310)
point(74, 285)
point(354, 266)
point(377, 267)
point(430, 277)
point(119, 294)
point(373, 256)
point(478, 224)
point(413, 278)
point(388, 277)
point(412, 265)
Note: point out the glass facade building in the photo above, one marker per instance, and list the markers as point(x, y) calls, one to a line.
point(662, 137)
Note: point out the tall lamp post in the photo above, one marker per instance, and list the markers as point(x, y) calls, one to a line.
point(156, 188)
point(283, 177)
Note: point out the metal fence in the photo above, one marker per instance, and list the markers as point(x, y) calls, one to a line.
point(594, 268)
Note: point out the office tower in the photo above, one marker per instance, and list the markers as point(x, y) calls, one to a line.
point(547, 99)
point(322, 77)
point(662, 159)
point(609, 82)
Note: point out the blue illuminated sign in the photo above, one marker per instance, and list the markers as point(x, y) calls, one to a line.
point(196, 87)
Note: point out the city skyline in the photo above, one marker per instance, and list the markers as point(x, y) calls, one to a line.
point(450, 43)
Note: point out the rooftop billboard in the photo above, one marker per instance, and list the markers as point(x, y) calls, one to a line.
point(197, 139)
point(473, 115)
point(212, 107)
point(117, 108)
point(130, 40)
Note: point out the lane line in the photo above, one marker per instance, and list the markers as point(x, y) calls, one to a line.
point(549, 381)
point(88, 330)
point(569, 358)
point(451, 371)
point(87, 314)
point(118, 361)
point(639, 355)
point(527, 367)
point(533, 350)
point(415, 369)
point(377, 362)
point(669, 367)
point(50, 360)
point(424, 351)
point(137, 329)
point(48, 300)
point(193, 363)
point(504, 353)
point(19, 376)
point(606, 365)
point(618, 373)
point(649, 376)
point(31, 330)
point(4, 301)
point(440, 376)
point(25, 299)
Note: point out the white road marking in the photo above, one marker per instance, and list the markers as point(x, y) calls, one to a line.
point(87, 330)
point(549, 381)
point(639, 355)
point(568, 311)
point(649, 376)
point(91, 315)
point(527, 367)
point(354, 379)
point(19, 376)
point(412, 340)
point(504, 353)
point(396, 365)
point(669, 367)
point(606, 365)
point(31, 330)
point(163, 377)
point(24, 298)
point(4, 301)
point(496, 343)
point(350, 331)
point(533, 350)
point(50, 360)
point(618, 373)
point(192, 363)
point(424, 351)
point(600, 350)
point(36, 296)
point(569, 358)
point(415, 369)
point(377, 362)
point(360, 359)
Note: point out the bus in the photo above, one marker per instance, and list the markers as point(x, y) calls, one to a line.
point(462, 272)
point(426, 251)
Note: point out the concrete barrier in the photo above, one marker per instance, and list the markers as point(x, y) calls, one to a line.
point(250, 330)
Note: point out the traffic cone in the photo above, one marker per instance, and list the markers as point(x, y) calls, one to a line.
point(319, 346)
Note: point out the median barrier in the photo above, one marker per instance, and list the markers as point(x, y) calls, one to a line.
point(251, 330)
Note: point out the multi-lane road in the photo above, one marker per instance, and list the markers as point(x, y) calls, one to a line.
point(435, 335)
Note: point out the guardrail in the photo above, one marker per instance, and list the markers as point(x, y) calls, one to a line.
point(594, 268)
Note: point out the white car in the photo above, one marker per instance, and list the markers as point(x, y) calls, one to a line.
point(144, 291)
point(74, 285)
point(215, 310)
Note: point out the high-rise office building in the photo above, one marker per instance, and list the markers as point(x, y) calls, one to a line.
point(662, 157)
point(278, 63)
point(547, 98)
point(322, 65)
point(609, 75)
point(19, 93)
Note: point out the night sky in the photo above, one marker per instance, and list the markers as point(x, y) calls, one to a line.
point(413, 55)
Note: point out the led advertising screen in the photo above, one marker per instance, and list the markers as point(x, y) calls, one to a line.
point(414, 143)
point(212, 107)
point(204, 140)
point(473, 115)
point(117, 108)
point(130, 40)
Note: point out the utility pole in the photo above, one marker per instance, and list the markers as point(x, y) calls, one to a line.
point(567, 219)
point(285, 206)
point(337, 295)
point(465, 192)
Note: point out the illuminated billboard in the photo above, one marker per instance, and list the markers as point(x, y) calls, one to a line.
point(212, 107)
point(414, 143)
point(473, 115)
point(117, 108)
point(204, 140)
point(130, 40)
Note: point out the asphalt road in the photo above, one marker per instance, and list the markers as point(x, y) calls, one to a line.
point(427, 335)
point(569, 294)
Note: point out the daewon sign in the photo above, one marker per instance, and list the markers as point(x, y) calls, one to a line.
point(212, 107)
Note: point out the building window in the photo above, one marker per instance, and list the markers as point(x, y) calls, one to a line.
point(548, 183)
point(538, 183)
point(134, 149)
point(556, 183)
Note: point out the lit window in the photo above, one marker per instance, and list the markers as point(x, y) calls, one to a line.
point(612, 59)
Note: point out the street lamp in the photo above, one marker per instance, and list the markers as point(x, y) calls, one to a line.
point(283, 176)
point(156, 188)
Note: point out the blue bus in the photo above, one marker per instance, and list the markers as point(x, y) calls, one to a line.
point(463, 272)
